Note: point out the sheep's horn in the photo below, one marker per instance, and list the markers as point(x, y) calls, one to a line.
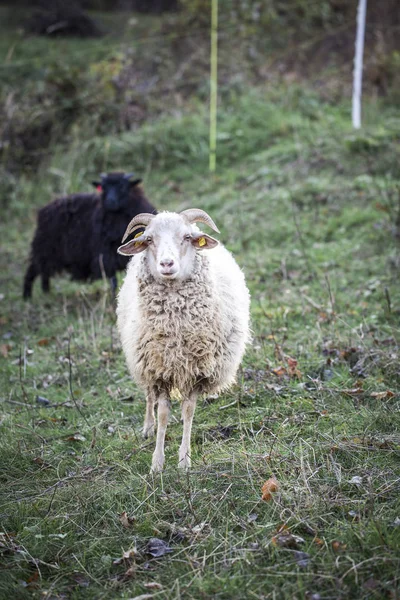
point(128, 175)
point(196, 215)
point(103, 175)
point(139, 221)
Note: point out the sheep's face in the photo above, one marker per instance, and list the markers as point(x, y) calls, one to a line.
point(170, 243)
point(115, 189)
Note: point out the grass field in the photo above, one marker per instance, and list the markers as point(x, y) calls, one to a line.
point(310, 210)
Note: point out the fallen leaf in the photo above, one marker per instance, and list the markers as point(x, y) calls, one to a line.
point(306, 528)
point(44, 342)
point(357, 480)
point(285, 539)
point(318, 541)
point(61, 420)
point(42, 400)
point(4, 349)
point(269, 486)
point(323, 316)
point(354, 515)
point(276, 388)
point(353, 391)
point(126, 520)
point(156, 547)
point(293, 369)
point(382, 395)
point(279, 371)
point(127, 556)
point(130, 572)
point(76, 437)
point(302, 558)
point(81, 579)
point(199, 528)
point(252, 517)
point(39, 461)
point(338, 546)
point(356, 440)
point(370, 584)
point(382, 207)
point(32, 580)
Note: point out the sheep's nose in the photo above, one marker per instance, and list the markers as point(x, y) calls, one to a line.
point(167, 262)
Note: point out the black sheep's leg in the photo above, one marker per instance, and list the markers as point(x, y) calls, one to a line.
point(30, 277)
point(45, 283)
point(114, 283)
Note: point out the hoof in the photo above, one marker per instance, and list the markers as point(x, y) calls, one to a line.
point(184, 463)
point(148, 432)
point(157, 465)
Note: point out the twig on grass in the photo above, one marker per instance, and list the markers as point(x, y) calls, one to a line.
point(70, 383)
point(311, 271)
point(331, 298)
point(311, 301)
point(51, 502)
point(388, 301)
point(229, 405)
point(23, 390)
point(18, 403)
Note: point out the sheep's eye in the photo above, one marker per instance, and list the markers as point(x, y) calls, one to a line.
point(149, 239)
point(187, 237)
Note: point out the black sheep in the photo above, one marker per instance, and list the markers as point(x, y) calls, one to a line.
point(80, 233)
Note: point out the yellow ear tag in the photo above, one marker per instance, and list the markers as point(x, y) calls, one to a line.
point(136, 236)
point(202, 242)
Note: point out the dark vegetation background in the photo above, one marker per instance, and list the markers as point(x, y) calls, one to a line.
point(311, 210)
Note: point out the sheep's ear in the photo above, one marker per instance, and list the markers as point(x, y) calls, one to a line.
point(96, 183)
point(202, 241)
point(135, 182)
point(132, 247)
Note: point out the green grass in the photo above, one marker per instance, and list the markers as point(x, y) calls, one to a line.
point(307, 214)
point(309, 209)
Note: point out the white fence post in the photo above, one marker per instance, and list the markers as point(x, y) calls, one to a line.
point(358, 64)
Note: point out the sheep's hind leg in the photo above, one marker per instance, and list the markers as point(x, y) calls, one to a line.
point(114, 285)
point(30, 277)
point(45, 283)
point(188, 408)
point(157, 462)
point(148, 425)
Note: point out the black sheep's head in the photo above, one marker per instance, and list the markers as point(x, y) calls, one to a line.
point(115, 189)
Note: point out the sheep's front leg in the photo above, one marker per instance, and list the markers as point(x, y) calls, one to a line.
point(188, 408)
point(157, 462)
point(148, 425)
point(114, 285)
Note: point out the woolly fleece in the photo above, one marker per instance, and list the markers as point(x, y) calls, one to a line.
point(185, 334)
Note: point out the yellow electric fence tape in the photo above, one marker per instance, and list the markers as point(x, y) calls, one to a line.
point(213, 85)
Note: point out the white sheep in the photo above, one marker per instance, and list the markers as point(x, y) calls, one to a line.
point(183, 317)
